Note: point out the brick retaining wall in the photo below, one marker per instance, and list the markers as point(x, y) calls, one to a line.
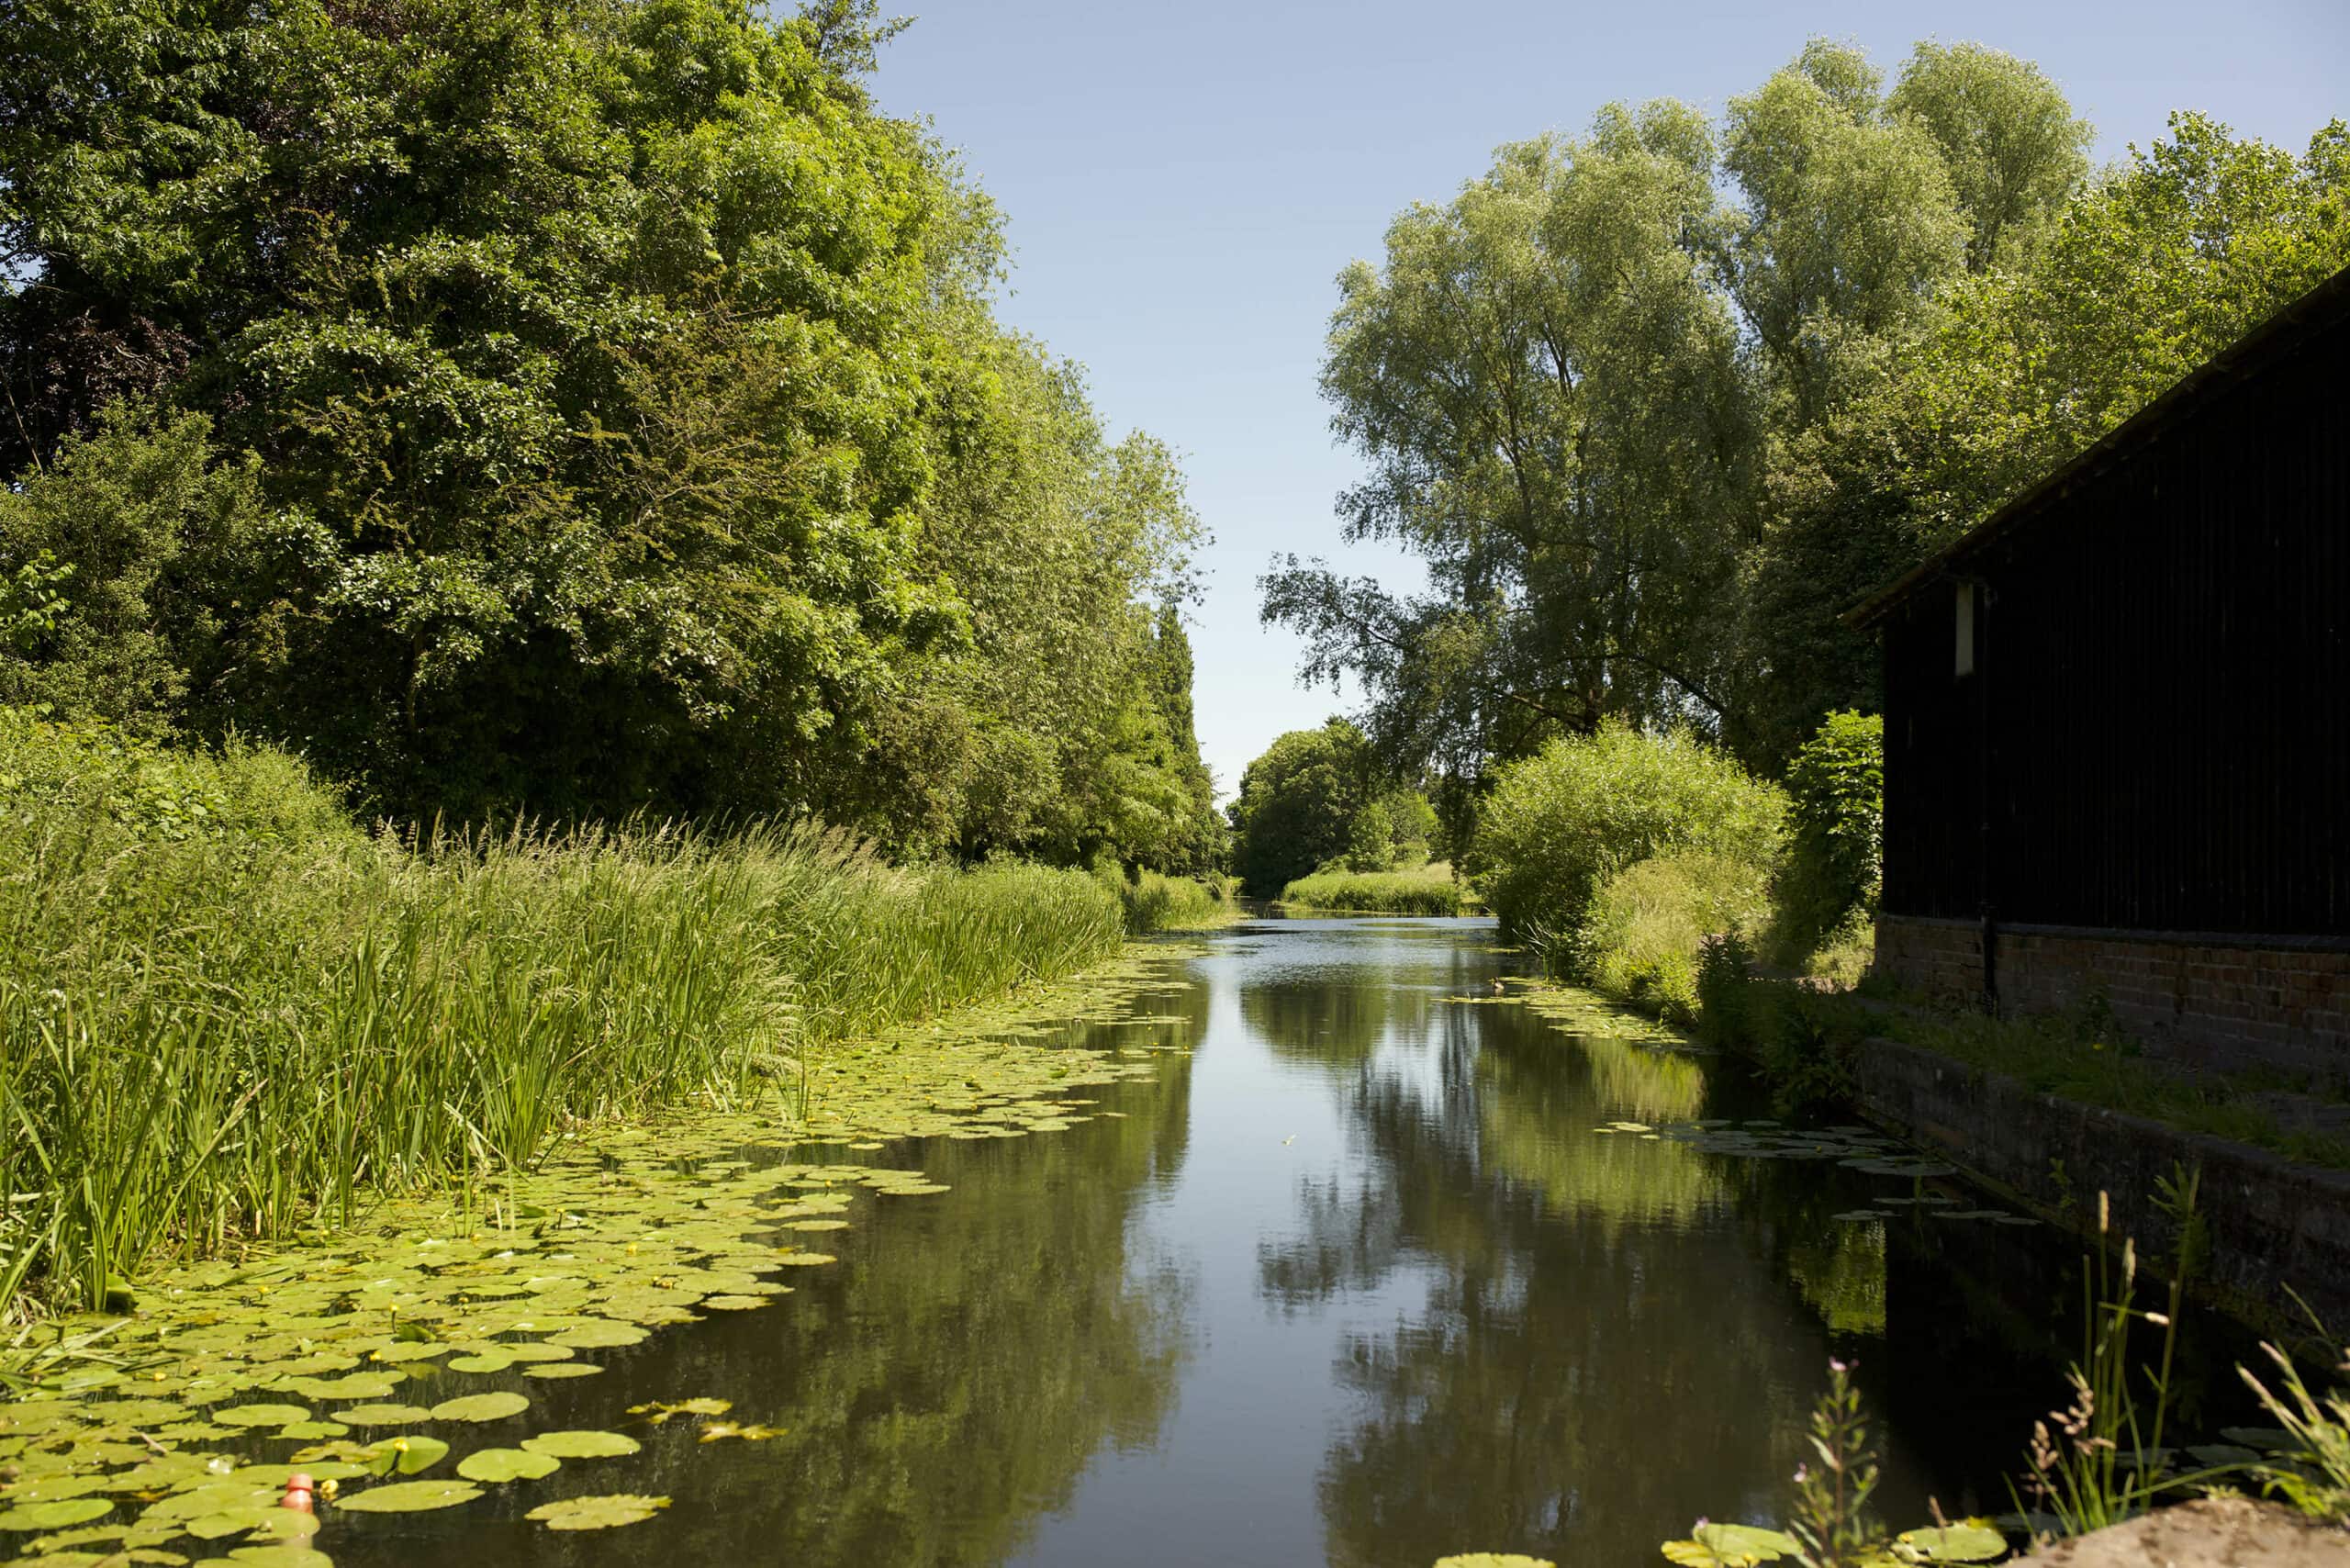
point(2271, 1222)
point(2274, 1001)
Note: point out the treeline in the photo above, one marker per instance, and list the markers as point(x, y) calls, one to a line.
point(1657, 403)
point(567, 410)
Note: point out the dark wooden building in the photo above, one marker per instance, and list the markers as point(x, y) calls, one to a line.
point(2118, 721)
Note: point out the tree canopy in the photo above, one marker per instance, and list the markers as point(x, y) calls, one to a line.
point(1656, 403)
point(575, 408)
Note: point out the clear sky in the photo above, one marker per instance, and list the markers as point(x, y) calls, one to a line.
point(1183, 182)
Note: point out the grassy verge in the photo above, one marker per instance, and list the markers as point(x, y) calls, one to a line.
point(2079, 1059)
point(1429, 889)
point(224, 1010)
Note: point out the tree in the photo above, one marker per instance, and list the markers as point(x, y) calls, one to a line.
point(1298, 805)
point(1657, 406)
point(1544, 380)
point(626, 402)
point(2010, 143)
point(2146, 274)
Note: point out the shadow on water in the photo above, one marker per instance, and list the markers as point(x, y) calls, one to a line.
point(1357, 1280)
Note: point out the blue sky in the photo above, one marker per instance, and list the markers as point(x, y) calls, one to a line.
point(1184, 182)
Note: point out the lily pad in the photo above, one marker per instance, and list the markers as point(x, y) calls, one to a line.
point(354, 1385)
point(54, 1515)
point(582, 1445)
point(597, 1513)
point(1730, 1546)
point(562, 1369)
point(404, 1456)
point(657, 1411)
point(1957, 1543)
point(2269, 1440)
point(384, 1415)
point(481, 1407)
point(598, 1334)
point(409, 1497)
point(284, 1556)
point(265, 1519)
point(500, 1465)
point(261, 1415)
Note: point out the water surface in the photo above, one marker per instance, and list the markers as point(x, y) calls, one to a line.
point(1357, 1280)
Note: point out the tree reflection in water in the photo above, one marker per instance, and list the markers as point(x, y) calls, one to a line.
point(1603, 1347)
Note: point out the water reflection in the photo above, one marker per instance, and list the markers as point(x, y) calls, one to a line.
point(1358, 1280)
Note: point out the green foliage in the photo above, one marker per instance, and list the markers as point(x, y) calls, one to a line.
point(1544, 380)
point(1625, 380)
point(2313, 1472)
point(2081, 1056)
point(1835, 839)
point(2142, 276)
point(2105, 1461)
point(1642, 938)
point(1155, 903)
point(608, 414)
point(1832, 1525)
point(1808, 1043)
point(1558, 824)
point(224, 1010)
point(1298, 804)
point(1429, 889)
point(111, 550)
point(1723, 981)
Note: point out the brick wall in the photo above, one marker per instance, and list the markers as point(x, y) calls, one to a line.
point(2273, 1004)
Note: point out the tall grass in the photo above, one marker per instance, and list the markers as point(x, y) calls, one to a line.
point(1156, 902)
point(1426, 890)
point(225, 1011)
point(1642, 935)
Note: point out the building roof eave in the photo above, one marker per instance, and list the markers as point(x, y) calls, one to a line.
point(2275, 338)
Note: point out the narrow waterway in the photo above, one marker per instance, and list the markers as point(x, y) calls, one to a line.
point(1360, 1279)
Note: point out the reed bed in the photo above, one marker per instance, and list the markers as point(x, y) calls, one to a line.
point(1156, 902)
point(227, 1012)
point(1422, 891)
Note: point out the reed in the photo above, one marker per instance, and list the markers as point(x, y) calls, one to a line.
point(226, 1012)
point(1154, 902)
point(1429, 889)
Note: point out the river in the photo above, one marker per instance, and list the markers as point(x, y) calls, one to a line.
point(1358, 1278)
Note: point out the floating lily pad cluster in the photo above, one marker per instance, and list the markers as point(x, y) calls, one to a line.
point(1588, 1013)
point(359, 1358)
point(1853, 1147)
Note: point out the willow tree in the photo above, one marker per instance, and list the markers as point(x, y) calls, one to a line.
point(1577, 387)
point(1544, 380)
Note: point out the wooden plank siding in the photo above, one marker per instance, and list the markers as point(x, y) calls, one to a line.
point(2156, 734)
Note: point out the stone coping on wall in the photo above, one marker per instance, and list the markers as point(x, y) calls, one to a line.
point(2273, 1223)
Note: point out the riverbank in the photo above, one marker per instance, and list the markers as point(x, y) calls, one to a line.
point(229, 1014)
point(362, 1357)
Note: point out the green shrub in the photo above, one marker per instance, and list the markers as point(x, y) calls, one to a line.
point(1835, 837)
point(1807, 1041)
point(1429, 889)
point(1560, 823)
point(1641, 938)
